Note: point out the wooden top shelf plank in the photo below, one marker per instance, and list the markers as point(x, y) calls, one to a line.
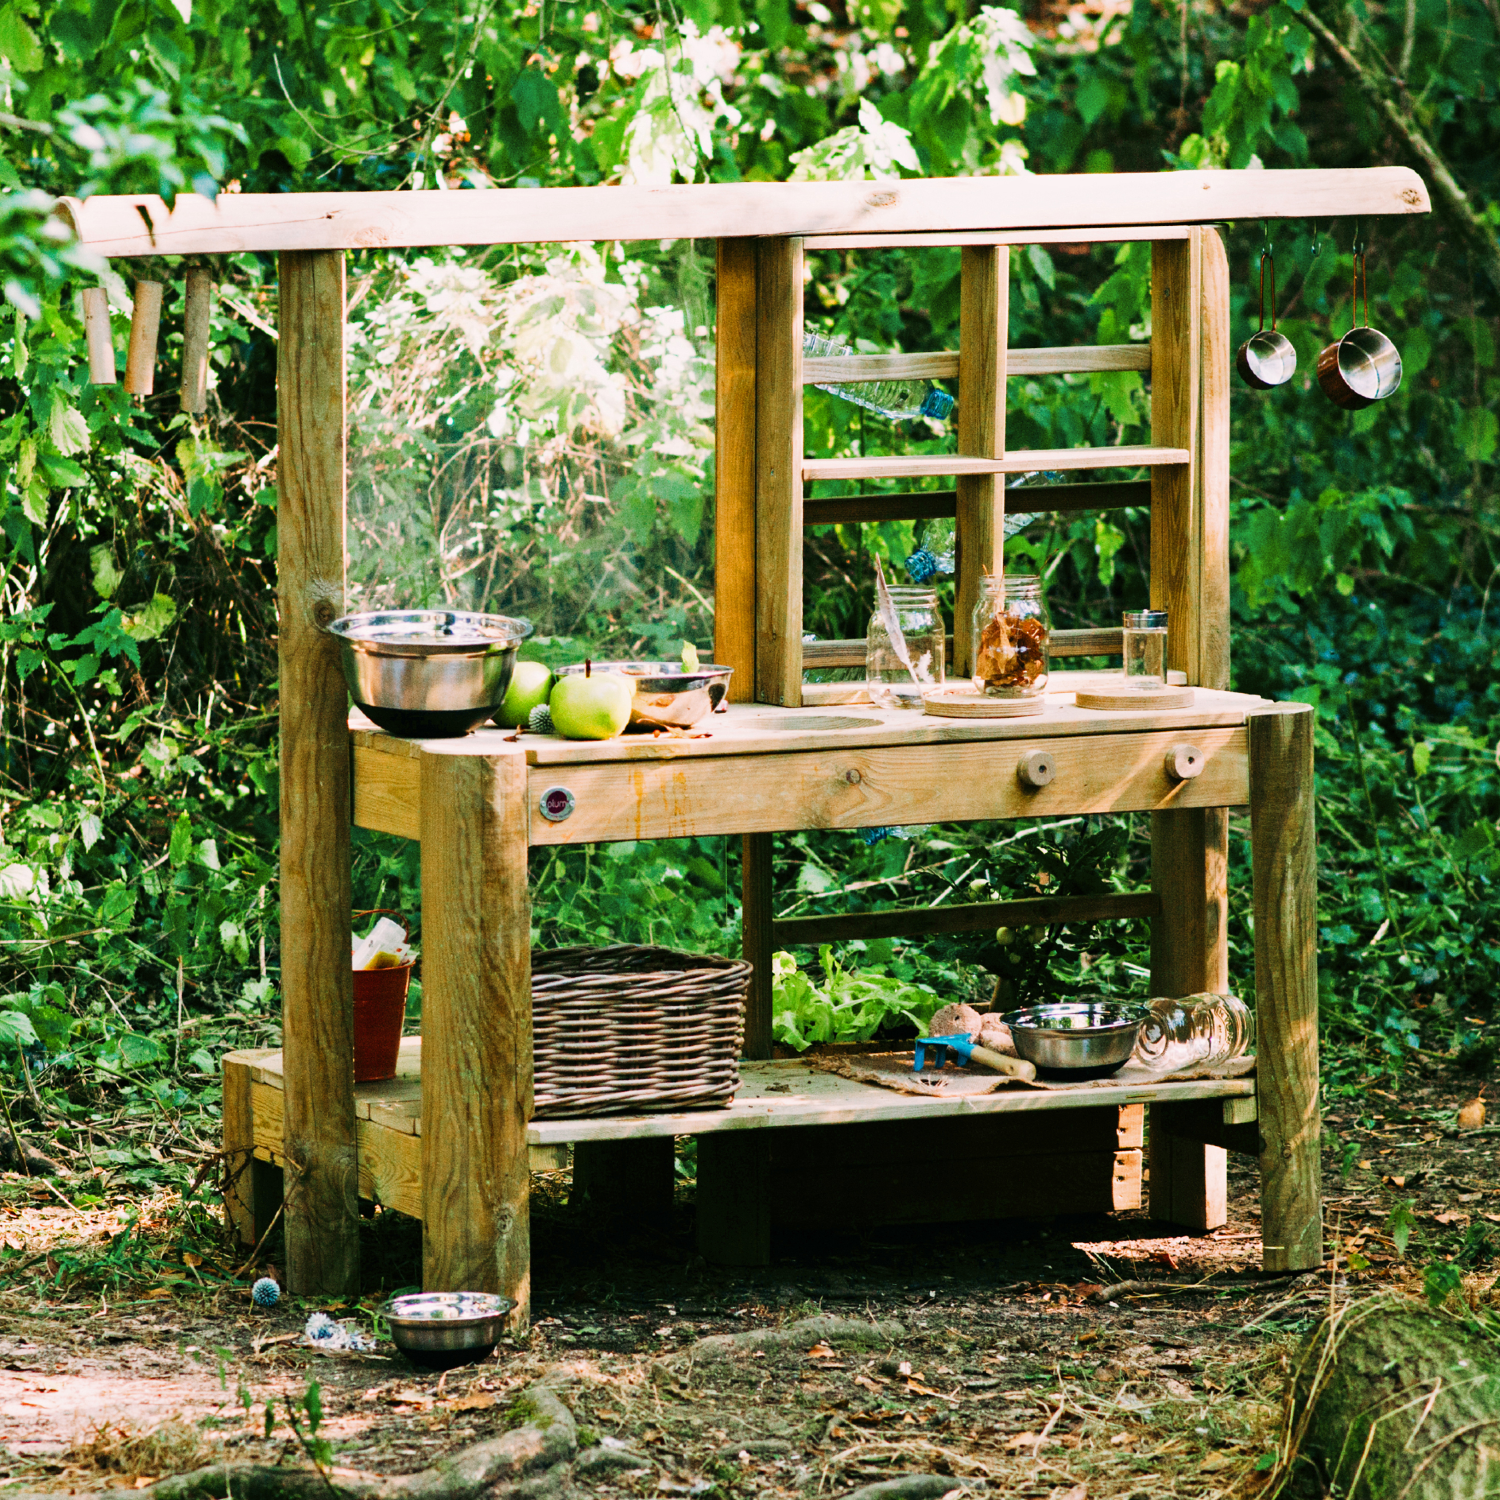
point(938, 239)
point(1018, 461)
point(942, 364)
point(113, 225)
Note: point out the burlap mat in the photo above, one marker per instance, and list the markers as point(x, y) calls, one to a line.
point(893, 1070)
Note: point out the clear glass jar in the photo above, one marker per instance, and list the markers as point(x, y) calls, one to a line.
point(892, 683)
point(1011, 634)
point(1196, 1031)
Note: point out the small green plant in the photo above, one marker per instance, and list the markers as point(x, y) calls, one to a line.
point(849, 1006)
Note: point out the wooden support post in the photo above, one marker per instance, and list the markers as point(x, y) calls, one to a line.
point(1212, 466)
point(145, 321)
point(1285, 866)
point(629, 1180)
point(984, 321)
point(1189, 847)
point(239, 1144)
point(317, 999)
point(778, 472)
point(100, 338)
point(757, 940)
point(476, 1025)
point(197, 317)
point(734, 467)
point(734, 1197)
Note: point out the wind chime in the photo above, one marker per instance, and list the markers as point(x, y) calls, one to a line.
point(145, 324)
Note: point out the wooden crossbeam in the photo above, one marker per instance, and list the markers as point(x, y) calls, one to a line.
point(923, 505)
point(1017, 461)
point(849, 653)
point(942, 364)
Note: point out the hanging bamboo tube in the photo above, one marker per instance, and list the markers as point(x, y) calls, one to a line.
point(145, 320)
point(195, 328)
point(101, 342)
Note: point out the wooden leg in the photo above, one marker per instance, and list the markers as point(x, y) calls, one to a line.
point(1284, 859)
point(476, 1026)
point(239, 1141)
point(756, 941)
point(267, 1189)
point(734, 1197)
point(1189, 956)
point(317, 999)
point(630, 1180)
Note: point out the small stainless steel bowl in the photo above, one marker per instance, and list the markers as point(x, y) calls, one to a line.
point(1361, 368)
point(1081, 1038)
point(666, 697)
point(438, 1330)
point(428, 673)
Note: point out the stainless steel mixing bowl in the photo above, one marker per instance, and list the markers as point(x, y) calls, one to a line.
point(666, 697)
point(1082, 1038)
point(428, 673)
point(439, 1330)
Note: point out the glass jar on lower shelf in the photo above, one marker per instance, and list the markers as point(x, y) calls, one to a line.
point(1196, 1031)
point(889, 681)
point(1011, 635)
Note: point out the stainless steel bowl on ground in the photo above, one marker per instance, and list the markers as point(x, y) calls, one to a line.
point(1076, 1038)
point(666, 697)
point(428, 673)
point(438, 1330)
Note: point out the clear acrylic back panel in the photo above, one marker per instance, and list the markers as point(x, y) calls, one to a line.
point(531, 433)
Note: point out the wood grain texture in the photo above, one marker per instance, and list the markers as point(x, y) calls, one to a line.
point(1189, 1180)
point(868, 787)
point(1018, 461)
point(387, 793)
point(1212, 468)
point(1207, 1122)
point(778, 473)
point(734, 1198)
point(945, 239)
point(196, 323)
point(1175, 537)
point(476, 1026)
point(100, 337)
point(1061, 643)
point(235, 222)
point(757, 940)
point(978, 916)
point(983, 333)
point(734, 467)
point(918, 505)
point(1285, 871)
point(239, 1145)
point(317, 1003)
point(145, 322)
point(945, 364)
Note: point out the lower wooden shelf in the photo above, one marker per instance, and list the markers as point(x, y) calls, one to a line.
point(782, 1094)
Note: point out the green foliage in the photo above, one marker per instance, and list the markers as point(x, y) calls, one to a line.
point(848, 1006)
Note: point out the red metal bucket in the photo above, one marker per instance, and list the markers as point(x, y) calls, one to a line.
point(379, 1014)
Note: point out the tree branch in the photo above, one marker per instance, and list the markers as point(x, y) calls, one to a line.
point(1453, 198)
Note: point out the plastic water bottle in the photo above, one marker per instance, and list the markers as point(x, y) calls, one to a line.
point(1196, 1031)
point(897, 399)
point(938, 550)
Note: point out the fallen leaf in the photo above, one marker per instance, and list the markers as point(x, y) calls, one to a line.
point(145, 1481)
point(1093, 1333)
point(820, 1351)
point(1365, 1166)
point(409, 1397)
point(925, 1390)
point(1471, 1114)
point(1078, 1492)
point(1450, 1216)
point(470, 1403)
point(1396, 1181)
point(160, 1291)
point(1216, 1461)
point(869, 1385)
point(1023, 1440)
point(189, 1259)
point(1180, 1389)
point(1121, 1438)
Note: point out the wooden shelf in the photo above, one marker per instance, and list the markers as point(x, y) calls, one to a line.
point(1020, 461)
point(1078, 359)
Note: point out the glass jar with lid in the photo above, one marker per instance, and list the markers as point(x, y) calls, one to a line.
point(890, 681)
point(1011, 634)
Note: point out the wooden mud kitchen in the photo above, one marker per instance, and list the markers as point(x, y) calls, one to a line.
point(451, 1139)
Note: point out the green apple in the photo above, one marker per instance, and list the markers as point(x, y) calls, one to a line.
point(530, 683)
point(585, 706)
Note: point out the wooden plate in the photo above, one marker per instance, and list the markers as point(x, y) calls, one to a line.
point(960, 702)
point(1124, 700)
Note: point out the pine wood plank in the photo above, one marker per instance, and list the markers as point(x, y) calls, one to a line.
point(945, 239)
point(1285, 873)
point(1215, 379)
point(757, 908)
point(734, 466)
point(101, 342)
point(1064, 643)
point(236, 222)
point(978, 916)
point(145, 323)
point(239, 1145)
point(1018, 461)
point(317, 1006)
point(944, 364)
point(778, 466)
point(920, 505)
point(984, 323)
point(863, 787)
point(387, 793)
point(196, 324)
point(476, 1026)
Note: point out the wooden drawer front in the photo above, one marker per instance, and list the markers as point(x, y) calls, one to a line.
point(862, 788)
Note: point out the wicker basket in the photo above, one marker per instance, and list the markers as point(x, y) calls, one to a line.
point(625, 1028)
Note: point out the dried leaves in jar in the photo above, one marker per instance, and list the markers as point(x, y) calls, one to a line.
point(1012, 651)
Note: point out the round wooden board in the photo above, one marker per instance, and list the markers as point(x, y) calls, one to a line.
point(966, 703)
point(1140, 698)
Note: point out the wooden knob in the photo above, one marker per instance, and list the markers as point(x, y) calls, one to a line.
point(1184, 762)
point(1036, 768)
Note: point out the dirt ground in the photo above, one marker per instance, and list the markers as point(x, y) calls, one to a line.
point(1007, 1374)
